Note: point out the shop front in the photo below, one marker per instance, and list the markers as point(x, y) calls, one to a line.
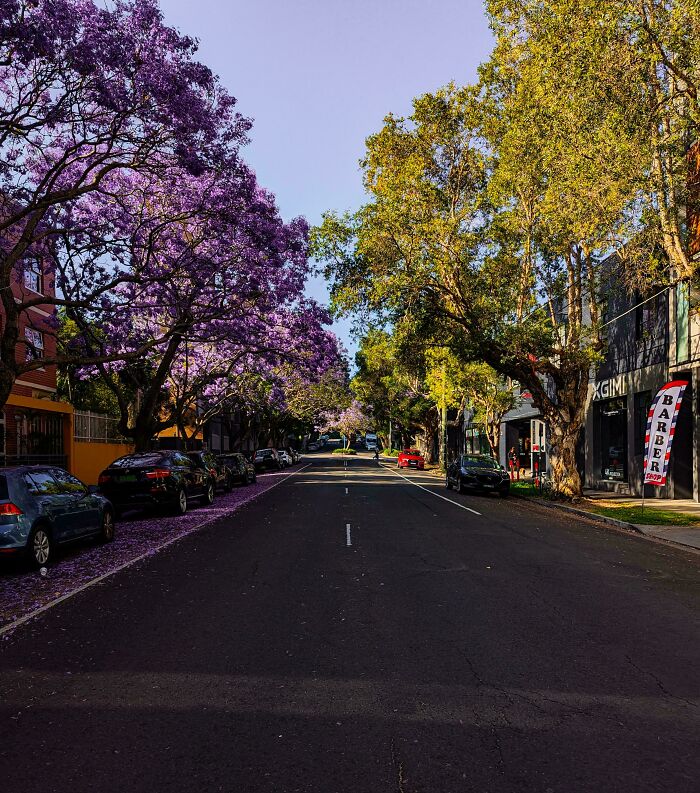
point(615, 431)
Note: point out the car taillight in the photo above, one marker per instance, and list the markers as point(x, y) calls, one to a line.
point(103, 479)
point(212, 471)
point(10, 509)
point(158, 473)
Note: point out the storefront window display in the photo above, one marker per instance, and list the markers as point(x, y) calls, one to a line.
point(611, 418)
point(642, 403)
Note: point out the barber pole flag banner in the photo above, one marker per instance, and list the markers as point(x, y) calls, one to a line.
point(661, 427)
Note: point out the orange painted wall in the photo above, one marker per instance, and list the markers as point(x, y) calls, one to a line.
point(90, 459)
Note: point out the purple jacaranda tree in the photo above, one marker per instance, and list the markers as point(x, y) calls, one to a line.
point(352, 420)
point(228, 277)
point(257, 374)
point(88, 94)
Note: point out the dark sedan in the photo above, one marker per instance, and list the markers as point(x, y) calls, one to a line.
point(155, 479)
point(218, 472)
point(241, 470)
point(42, 507)
point(478, 472)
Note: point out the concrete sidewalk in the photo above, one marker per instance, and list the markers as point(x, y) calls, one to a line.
point(682, 535)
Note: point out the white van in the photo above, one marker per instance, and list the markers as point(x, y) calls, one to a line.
point(371, 442)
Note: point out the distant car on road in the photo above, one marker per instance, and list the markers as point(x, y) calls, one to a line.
point(42, 507)
point(241, 470)
point(285, 457)
point(313, 447)
point(477, 472)
point(267, 460)
point(164, 478)
point(218, 473)
point(411, 458)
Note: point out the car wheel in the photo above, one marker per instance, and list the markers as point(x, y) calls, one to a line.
point(448, 484)
point(208, 497)
point(254, 479)
point(107, 529)
point(181, 502)
point(40, 546)
point(460, 486)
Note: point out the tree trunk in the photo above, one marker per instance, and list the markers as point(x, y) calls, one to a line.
point(565, 476)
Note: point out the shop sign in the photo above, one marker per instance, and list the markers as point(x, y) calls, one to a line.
point(607, 389)
point(661, 428)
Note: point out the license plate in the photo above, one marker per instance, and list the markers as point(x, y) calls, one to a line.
point(413, 463)
point(489, 486)
point(127, 478)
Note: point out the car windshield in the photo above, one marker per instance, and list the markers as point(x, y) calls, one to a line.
point(413, 452)
point(263, 453)
point(140, 459)
point(479, 462)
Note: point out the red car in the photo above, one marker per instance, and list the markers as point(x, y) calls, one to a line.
point(411, 458)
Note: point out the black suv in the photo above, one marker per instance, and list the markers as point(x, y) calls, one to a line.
point(160, 478)
point(241, 470)
point(219, 475)
point(478, 472)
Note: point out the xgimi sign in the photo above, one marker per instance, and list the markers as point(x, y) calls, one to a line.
point(607, 389)
point(661, 427)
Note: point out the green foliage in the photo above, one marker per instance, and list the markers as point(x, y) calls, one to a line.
point(346, 451)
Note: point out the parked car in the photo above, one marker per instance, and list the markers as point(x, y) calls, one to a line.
point(410, 458)
point(478, 472)
point(285, 457)
point(240, 468)
point(267, 460)
point(155, 479)
point(42, 507)
point(313, 447)
point(217, 471)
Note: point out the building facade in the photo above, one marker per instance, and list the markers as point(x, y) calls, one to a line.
point(34, 426)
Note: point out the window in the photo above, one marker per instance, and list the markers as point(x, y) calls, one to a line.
point(41, 483)
point(611, 418)
point(35, 344)
point(645, 318)
point(682, 305)
point(68, 483)
point(642, 403)
point(33, 279)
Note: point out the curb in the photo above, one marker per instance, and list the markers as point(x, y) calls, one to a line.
point(582, 513)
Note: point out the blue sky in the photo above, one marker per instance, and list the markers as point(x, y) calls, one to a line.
point(318, 76)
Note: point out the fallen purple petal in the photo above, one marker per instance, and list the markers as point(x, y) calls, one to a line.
point(22, 592)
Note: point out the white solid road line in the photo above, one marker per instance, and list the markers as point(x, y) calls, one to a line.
point(432, 492)
point(348, 540)
point(346, 491)
point(21, 620)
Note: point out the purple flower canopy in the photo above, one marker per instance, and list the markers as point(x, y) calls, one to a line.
point(120, 171)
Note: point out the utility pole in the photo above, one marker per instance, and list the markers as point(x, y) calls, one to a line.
point(391, 436)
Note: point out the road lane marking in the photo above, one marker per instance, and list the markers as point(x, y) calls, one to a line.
point(348, 539)
point(432, 492)
point(346, 491)
point(21, 620)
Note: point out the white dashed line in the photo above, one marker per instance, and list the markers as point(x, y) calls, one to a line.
point(432, 492)
point(348, 539)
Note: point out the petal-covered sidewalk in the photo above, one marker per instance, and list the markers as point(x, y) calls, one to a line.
point(136, 536)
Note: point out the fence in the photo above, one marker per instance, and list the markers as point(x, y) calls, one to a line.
point(95, 428)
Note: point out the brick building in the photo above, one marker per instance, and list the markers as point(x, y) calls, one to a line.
point(34, 426)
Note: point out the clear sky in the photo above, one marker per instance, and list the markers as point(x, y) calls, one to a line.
point(318, 76)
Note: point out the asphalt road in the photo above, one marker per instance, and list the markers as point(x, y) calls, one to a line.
point(377, 640)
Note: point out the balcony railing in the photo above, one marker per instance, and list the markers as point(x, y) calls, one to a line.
point(95, 428)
